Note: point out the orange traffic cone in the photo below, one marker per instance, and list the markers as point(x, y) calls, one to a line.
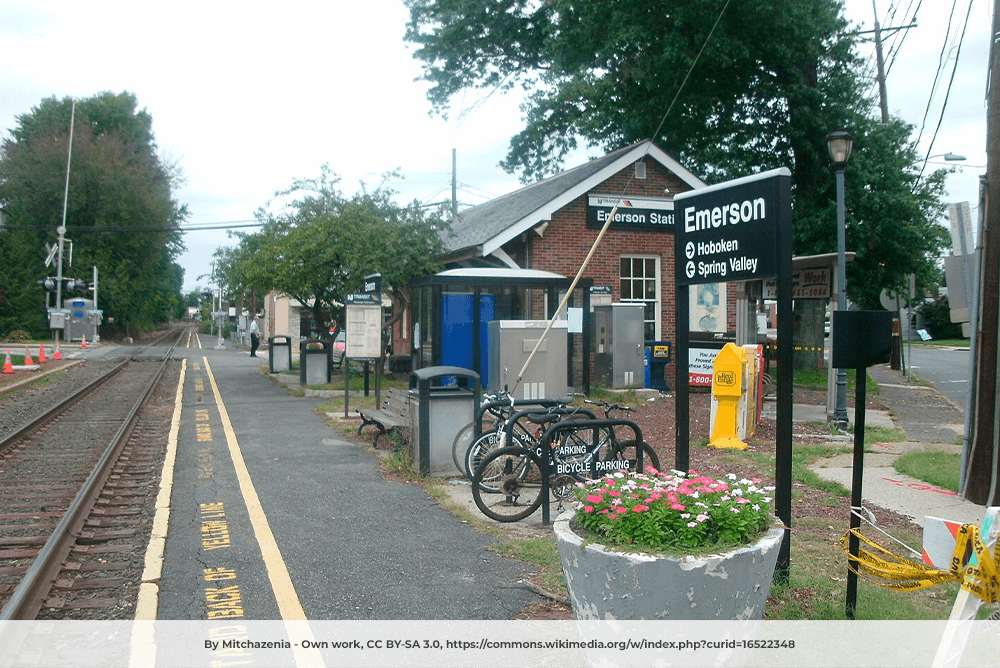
point(83, 343)
point(27, 358)
point(7, 366)
point(41, 353)
point(56, 354)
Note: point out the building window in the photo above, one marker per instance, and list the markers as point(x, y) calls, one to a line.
point(639, 281)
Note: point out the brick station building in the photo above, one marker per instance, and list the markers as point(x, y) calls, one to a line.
point(550, 226)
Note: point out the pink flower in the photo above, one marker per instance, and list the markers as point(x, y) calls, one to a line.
point(702, 517)
point(692, 524)
point(614, 492)
point(639, 508)
point(734, 510)
point(588, 509)
point(742, 501)
point(595, 498)
point(677, 506)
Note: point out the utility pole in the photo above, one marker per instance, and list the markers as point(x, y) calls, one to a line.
point(896, 361)
point(880, 62)
point(61, 230)
point(983, 470)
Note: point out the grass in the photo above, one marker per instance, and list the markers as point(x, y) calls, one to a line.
point(954, 343)
point(936, 467)
point(816, 587)
point(817, 378)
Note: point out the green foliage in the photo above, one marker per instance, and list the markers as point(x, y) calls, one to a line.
point(608, 74)
point(321, 243)
point(937, 320)
point(121, 216)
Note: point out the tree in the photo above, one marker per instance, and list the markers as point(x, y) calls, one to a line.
point(772, 80)
point(320, 244)
point(121, 215)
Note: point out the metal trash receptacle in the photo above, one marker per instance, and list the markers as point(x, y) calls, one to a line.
point(439, 408)
point(279, 353)
point(315, 356)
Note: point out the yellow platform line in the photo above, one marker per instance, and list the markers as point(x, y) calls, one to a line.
point(277, 572)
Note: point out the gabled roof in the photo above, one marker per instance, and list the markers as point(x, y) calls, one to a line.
point(487, 227)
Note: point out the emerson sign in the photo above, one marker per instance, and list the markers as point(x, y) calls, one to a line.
point(634, 213)
point(729, 232)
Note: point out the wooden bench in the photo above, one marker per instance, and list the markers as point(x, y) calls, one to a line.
point(393, 416)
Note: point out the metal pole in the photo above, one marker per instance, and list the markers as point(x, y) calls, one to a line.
point(856, 484)
point(62, 227)
point(840, 411)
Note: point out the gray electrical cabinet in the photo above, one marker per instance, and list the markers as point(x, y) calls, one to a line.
point(618, 345)
point(510, 344)
point(82, 319)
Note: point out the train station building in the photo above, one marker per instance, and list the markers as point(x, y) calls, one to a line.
point(547, 229)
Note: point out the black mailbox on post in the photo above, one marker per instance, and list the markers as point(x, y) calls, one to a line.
point(314, 362)
point(279, 353)
point(441, 408)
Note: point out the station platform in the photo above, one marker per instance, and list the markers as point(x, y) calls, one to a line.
point(273, 515)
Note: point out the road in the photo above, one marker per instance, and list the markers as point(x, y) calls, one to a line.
point(946, 369)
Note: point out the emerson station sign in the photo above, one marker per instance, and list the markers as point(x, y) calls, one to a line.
point(729, 232)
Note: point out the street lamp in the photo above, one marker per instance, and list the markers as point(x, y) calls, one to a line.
point(839, 143)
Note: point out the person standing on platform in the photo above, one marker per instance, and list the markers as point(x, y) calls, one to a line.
point(254, 336)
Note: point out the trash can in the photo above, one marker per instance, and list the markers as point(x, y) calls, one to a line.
point(315, 356)
point(279, 353)
point(443, 399)
point(658, 353)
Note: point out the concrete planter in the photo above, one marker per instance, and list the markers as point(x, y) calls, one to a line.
point(613, 585)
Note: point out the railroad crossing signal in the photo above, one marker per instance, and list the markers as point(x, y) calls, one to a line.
point(51, 250)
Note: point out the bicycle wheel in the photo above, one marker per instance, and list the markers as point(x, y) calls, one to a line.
point(516, 474)
point(487, 443)
point(464, 438)
point(622, 455)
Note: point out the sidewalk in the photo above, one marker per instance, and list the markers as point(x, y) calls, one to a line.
point(930, 421)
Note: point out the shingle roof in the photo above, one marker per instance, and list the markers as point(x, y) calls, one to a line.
point(495, 222)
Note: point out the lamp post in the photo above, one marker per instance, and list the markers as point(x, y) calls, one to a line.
point(839, 143)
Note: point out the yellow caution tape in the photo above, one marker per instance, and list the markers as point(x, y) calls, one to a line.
point(885, 569)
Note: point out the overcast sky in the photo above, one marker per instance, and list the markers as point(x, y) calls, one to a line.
point(248, 96)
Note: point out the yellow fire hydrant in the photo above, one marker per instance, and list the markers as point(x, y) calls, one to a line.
point(728, 388)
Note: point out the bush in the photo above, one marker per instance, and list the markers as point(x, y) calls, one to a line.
point(937, 319)
point(19, 335)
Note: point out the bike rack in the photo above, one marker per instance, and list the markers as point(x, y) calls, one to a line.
point(496, 403)
point(544, 444)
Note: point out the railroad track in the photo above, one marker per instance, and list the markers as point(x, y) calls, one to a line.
point(76, 495)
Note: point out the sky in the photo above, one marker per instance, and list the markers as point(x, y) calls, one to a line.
point(247, 97)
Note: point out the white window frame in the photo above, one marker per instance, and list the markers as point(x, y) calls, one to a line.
point(658, 300)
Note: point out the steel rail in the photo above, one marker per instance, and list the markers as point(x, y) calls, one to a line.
point(26, 599)
point(73, 398)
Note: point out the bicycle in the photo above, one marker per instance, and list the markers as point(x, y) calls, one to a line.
point(484, 434)
point(510, 482)
point(612, 448)
point(517, 431)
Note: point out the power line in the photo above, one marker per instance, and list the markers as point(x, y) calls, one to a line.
point(951, 81)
